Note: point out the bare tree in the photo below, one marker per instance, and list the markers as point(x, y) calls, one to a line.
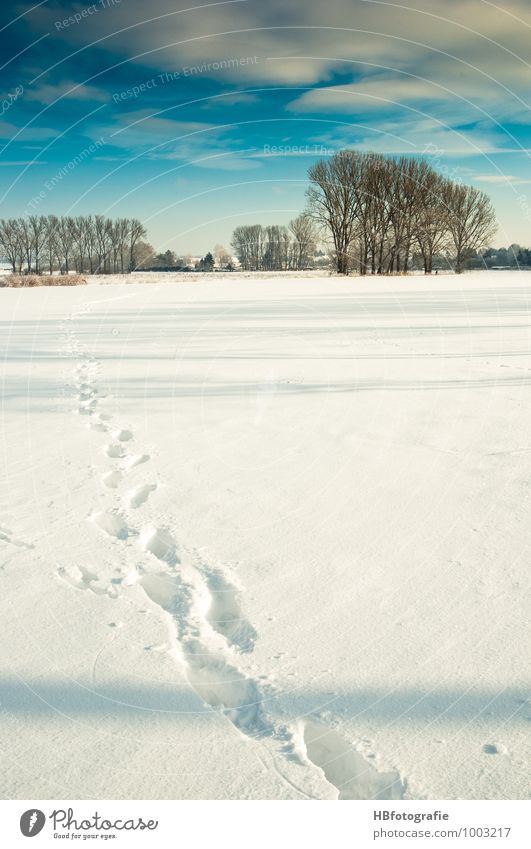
point(37, 226)
point(137, 231)
point(249, 244)
point(470, 219)
point(377, 198)
point(304, 238)
point(114, 244)
point(334, 199)
point(101, 233)
point(275, 252)
point(123, 227)
point(89, 228)
point(11, 242)
point(79, 233)
point(222, 256)
point(256, 245)
point(65, 241)
point(52, 224)
point(241, 247)
point(145, 256)
point(430, 219)
point(26, 239)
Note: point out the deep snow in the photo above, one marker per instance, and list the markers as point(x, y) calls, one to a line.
point(267, 539)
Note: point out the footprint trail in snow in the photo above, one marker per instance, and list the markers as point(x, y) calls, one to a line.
point(201, 605)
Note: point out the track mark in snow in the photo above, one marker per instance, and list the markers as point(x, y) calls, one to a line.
point(85, 391)
point(84, 579)
point(217, 682)
point(493, 749)
point(111, 523)
point(200, 603)
point(224, 614)
point(114, 450)
point(163, 589)
point(7, 536)
point(139, 495)
point(87, 408)
point(112, 480)
point(221, 685)
point(135, 460)
point(123, 435)
point(346, 769)
point(160, 543)
point(77, 576)
point(131, 578)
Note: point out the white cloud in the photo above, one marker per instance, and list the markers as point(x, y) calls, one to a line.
point(9, 131)
point(47, 94)
point(507, 179)
point(304, 41)
point(194, 142)
point(456, 101)
point(495, 178)
point(6, 164)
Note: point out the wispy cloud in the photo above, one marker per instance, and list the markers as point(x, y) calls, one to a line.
point(30, 133)
point(203, 144)
point(508, 179)
point(47, 93)
point(15, 162)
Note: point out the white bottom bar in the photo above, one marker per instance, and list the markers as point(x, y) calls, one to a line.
point(253, 825)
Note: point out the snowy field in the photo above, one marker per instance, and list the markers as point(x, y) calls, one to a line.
point(267, 539)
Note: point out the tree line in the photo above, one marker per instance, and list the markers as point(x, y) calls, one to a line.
point(379, 211)
point(275, 247)
point(515, 256)
point(378, 215)
point(37, 244)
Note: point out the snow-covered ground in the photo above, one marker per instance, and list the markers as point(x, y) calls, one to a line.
point(267, 539)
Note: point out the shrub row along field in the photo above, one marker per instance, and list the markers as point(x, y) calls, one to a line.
point(22, 281)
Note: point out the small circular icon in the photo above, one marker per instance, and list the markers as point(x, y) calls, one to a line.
point(31, 822)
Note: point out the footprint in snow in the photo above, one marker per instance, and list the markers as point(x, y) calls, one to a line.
point(134, 460)
point(84, 579)
point(347, 769)
point(114, 450)
point(111, 523)
point(224, 613)
point(139, 495)
point(123, 435)
point(160, 543)
point(112, 480)
point(87, 409)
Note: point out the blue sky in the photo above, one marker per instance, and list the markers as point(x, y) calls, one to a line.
point(199, 119)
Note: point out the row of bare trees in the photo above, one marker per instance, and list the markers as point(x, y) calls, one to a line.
point(275, 247)
point(94, 244)
point(381, 211)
